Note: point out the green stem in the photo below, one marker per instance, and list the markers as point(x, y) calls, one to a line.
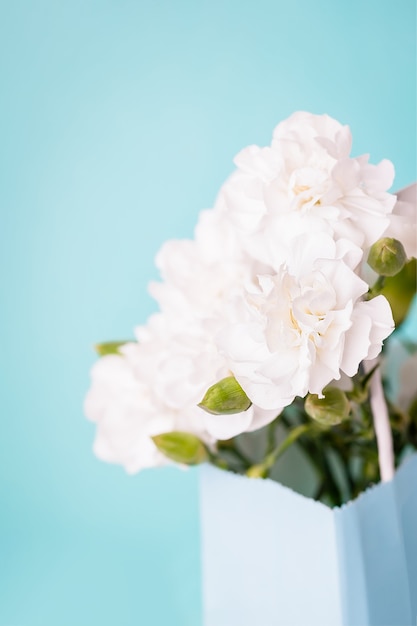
point(313, 450)
point(263, 469)
point(376, 288)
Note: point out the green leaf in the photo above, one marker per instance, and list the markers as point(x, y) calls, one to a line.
point(412, 410)
point(181, 447)
point(400, 290)
point(225, 398)
point(109, 347)
point(330, 410)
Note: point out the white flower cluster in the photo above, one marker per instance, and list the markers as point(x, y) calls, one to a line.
point(270, 291)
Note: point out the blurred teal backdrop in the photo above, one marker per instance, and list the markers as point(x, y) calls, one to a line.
point(119, 121)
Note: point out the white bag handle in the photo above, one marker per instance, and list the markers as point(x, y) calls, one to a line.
point(381, 423)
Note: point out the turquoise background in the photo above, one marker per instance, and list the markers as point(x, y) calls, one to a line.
point(119, 121)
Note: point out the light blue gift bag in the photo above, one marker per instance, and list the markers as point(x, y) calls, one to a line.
point(272, 557)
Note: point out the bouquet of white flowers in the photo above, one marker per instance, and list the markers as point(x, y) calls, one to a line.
point(273, 318)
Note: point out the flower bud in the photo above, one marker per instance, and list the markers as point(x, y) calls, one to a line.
point(109, 347)
point(387, 256)
point(330, 410)
point(181, 447)
point(225, 397)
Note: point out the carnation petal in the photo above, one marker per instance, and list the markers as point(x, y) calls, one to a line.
point(227, 426)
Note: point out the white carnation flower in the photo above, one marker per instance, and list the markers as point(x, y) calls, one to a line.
point(201, 277)
point(307, 325)
point(126, 415)
point(202, 281)
point(307, 182)
point(129, 408)
point(192, 287)
point(154, 387)
point(267, 291)
point(181, 364)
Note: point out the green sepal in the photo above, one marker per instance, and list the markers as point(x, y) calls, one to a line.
point(330, 410)
point(181, 447)
point(109, 347)
point(225, 398)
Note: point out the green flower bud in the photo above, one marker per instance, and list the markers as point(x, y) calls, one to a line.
point(330, 410)
point(109, 347)
point(387, 257)
point(181, 447)
point(225, 397)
